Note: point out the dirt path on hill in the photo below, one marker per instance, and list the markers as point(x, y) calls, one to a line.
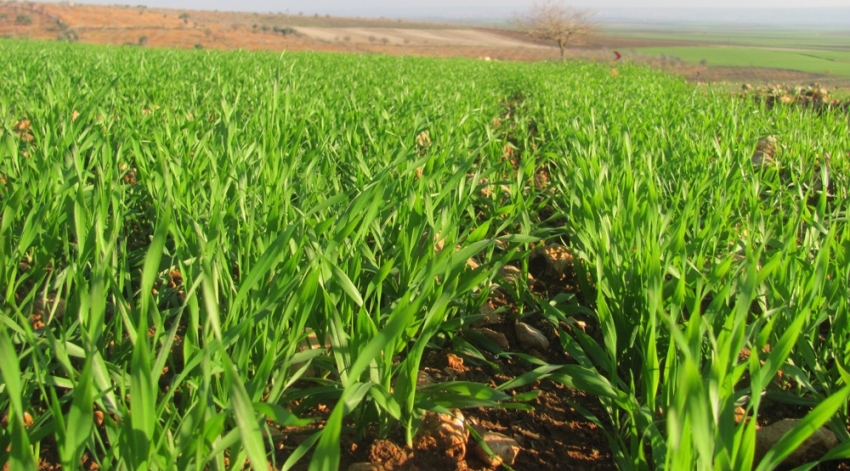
point(416, 37)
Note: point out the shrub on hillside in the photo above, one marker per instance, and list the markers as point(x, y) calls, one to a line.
point(286, 30)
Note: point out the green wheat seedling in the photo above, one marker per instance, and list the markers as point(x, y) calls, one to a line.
point(695, 256)
point(201, 249)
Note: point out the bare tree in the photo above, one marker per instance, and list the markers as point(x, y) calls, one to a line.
point(549, 20)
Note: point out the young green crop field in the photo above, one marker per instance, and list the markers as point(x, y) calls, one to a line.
point(823, 51)
point(175, 223)
point(815, 61)
point(753, 36)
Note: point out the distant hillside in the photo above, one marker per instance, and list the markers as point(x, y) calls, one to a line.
point(501, 11)
point(787, 17)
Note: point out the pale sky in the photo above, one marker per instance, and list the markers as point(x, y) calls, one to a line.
point(331, 6)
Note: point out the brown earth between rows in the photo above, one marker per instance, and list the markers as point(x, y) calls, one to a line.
point(554, 436)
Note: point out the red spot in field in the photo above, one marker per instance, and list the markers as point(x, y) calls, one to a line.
point(617, 56)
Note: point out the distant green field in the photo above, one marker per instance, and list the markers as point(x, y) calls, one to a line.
point(818, 62)
point(828, 55)
point(712, 35)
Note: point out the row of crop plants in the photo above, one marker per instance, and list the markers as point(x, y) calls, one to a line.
point(175, 224)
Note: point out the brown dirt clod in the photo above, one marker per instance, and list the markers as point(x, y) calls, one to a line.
point(389, 455)
point(365, 467)
point(444, 434)
point(455, 363)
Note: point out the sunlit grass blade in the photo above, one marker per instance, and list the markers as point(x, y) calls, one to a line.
point(80, 420)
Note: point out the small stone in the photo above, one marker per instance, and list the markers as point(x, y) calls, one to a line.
point(760, 158)
point(765, 149)
point(505, 449)
point(439, 243)
point(813, 449)
point(273, 433)
point(542, 179)
point(767, 145)
point(443, 432)
point(51, 305)
point(23, 125)
point(531, 338)
point(485, 191)
point(424, 379)
point(423, 139)
point(572, 323)
point(496, 337)
point(558, 259)
point(512, 274)
point(740, 414)
point(311, 343)
point(490, 316)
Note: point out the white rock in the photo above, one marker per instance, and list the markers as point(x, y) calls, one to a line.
point(760, 158)
point(496, 337)
point(765, 148)
point(447, 432)
point(505, 449)
point(531, 338)
point(424, 379)
point(50, 305)
point(512, 274)
point(558, 259)
point(311, 343)
point(817, 445)
point(490, 316)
